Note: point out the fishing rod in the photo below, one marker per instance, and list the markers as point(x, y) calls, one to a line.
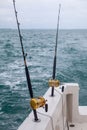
point(34, 102)
point(54, 83)
point(24, 57)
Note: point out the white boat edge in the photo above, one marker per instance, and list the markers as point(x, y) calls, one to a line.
point(64, 112)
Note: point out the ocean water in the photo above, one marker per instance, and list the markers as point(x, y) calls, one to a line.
point(39, 46)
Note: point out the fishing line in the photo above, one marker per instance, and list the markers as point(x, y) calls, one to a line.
point(49, 117)
point(64, 127)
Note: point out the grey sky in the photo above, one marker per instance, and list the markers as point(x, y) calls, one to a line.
point(43, 13)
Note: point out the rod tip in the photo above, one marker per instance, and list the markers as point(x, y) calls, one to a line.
point(59, 5)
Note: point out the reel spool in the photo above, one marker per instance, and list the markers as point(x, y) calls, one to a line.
point(36, 103)
point(54, 83)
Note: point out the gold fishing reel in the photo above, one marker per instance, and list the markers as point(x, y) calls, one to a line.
point(54, 83)
point(38, 102)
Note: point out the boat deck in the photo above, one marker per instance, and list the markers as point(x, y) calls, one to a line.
point(79, 126)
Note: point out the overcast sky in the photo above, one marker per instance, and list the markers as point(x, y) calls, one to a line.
point(43, 13)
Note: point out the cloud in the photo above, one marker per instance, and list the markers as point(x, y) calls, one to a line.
point(43, 13)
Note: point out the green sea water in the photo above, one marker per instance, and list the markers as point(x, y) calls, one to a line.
point(39, 46)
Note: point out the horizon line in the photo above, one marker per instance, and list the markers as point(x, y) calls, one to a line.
point(46, 28)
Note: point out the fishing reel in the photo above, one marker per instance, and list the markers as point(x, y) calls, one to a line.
point(36, 103)
point(54, 83)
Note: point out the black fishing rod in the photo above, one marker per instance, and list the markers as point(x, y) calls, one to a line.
point(24, 57)
point(55, 55)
